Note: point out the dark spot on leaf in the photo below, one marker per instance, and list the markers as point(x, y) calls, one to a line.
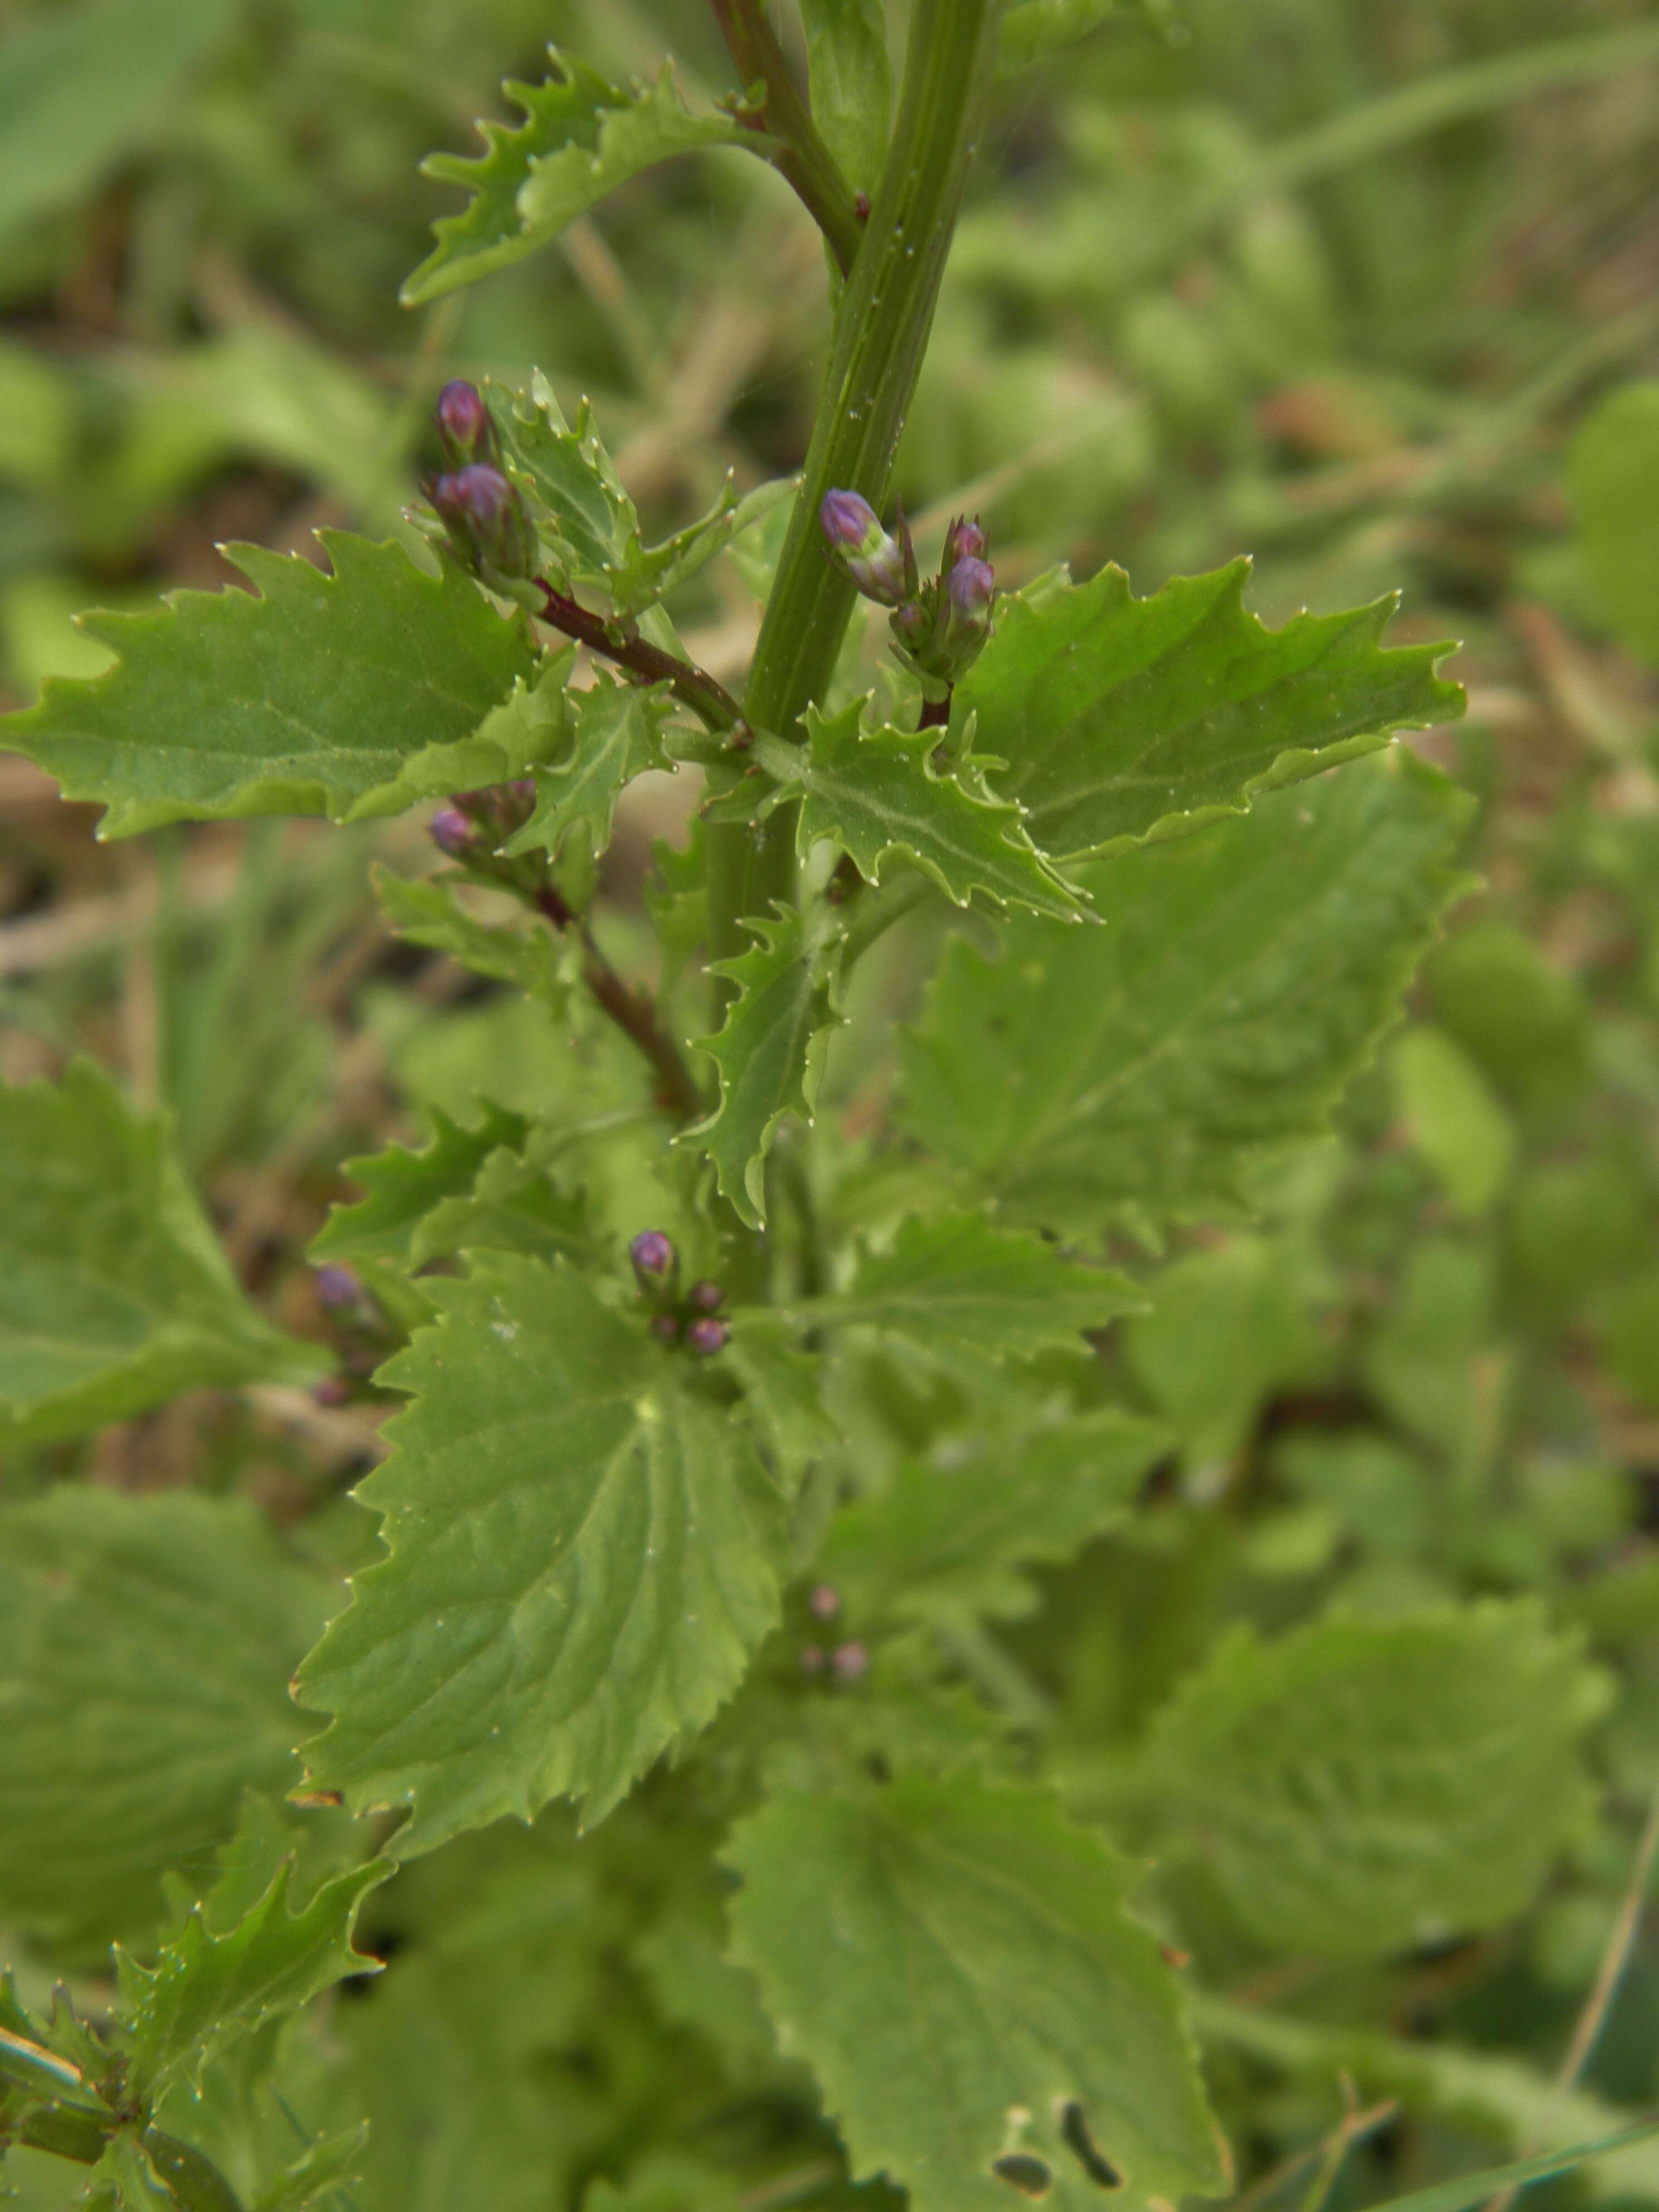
point(1028, 2175)
point(1074, 2133)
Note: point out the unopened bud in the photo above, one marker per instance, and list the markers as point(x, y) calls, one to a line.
point(811, 1659)
point(708, 1297)
point(452, 833)
point(464, 425)
point(333, 1390)
point(874, 561)
point(336, 1287)
point(500, 808)
point(665, 1328)
point(912, 624)
point(654, 1257)
point(849, 1660)
point(971, 587)
point(963, 541)
point(824, 1602)
point(708, 1336)
point(486, 520)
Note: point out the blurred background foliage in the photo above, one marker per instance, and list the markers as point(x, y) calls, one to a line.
point(1369, 291)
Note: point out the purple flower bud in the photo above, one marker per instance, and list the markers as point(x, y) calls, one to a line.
point(654, 1257)
point(486, 520)
point(972, 587)
point(336, 1287)
point(963, 541)
point(464, 424)
point(333, 1390)
point(500, 808)
point(708, 1336)
point(824, 1602)
point(874, 561)
point(706, 1297)
point(912, 624)
point(849, 1660)
point(665, 1328)
point(451, 832)
point(850, 523)
point(811, 1659)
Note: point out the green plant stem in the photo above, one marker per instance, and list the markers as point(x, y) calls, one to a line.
point(802, 159)
point(882, 328)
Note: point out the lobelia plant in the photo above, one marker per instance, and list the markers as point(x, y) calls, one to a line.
point(729, 1436)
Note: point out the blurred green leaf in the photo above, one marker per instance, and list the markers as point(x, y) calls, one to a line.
point(950, 1537)
point(1613, 479)
point(144, 1685)
point(850, 82)
point(1362, 1785)
point(114, 1295)
point(1453, 1119)
point(86, 87)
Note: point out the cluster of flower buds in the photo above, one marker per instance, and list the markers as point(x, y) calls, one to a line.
point(487, 526)
point(474, 825)
point(846, 1662)
point(364, 1337)
point(693, 1322)
point(939, 622)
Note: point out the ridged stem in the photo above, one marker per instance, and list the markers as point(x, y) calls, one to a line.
point(882, 328)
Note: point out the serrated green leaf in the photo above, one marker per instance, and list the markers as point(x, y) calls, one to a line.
point(850, 83)
point(616, 734)
point(585, 519)
point(429, 912)
point(126, 2179)
point(1131, 1074)
point(142, 1688)
point(948, 1537)
point(581, 1562)
point(311, 698)
point(1362, 1784)
point(957, 1284)
point(878, 795)
point(1227, 1328)
point(210, 1986)
point(651, 572)
point(114, 1294)
point(513, 1205)
point(581, 137)
point(771, 1048)
point(317, 2172)
point(957, 1964)
point(1122, 718)
point(403, 1186)
point(531, 728)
